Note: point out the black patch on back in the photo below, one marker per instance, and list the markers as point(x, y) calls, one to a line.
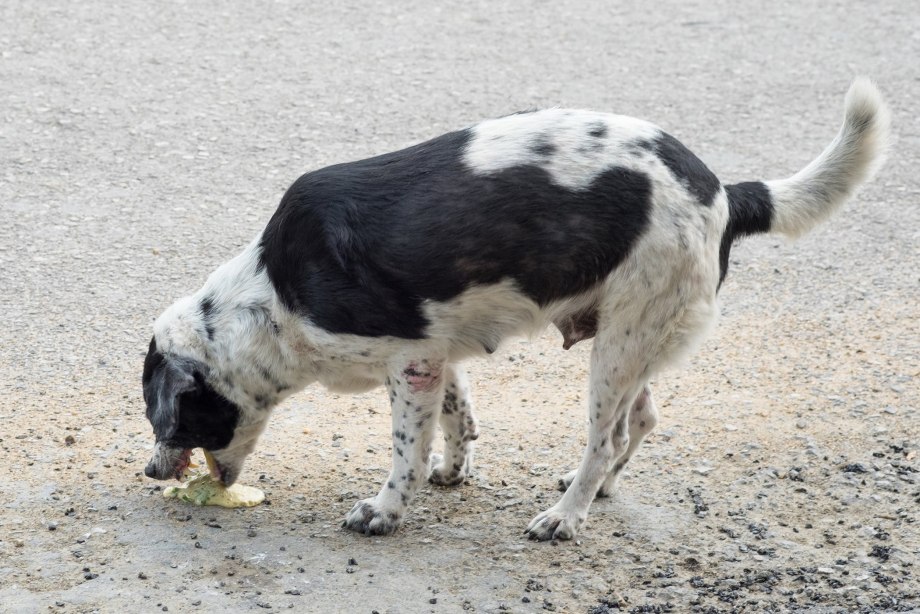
point(184, 410)
point(357, 247)
point(207, 314)
point(750, 211)
point(686, 167)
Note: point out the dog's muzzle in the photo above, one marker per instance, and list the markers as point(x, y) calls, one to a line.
point(168, 463)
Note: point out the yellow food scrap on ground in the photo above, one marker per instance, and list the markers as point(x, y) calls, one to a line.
point(205, 490)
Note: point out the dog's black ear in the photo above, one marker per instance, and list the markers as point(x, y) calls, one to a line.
point(165, 379)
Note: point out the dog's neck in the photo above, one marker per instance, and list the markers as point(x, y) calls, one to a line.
point(253, 347)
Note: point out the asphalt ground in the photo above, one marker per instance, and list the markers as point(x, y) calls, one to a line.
point(142, 144)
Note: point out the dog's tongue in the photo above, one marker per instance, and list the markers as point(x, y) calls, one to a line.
point(213, 469)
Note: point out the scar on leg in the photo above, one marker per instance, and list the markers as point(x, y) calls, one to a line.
point(422, 377)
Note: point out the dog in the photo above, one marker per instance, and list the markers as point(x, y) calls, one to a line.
point(394, 269)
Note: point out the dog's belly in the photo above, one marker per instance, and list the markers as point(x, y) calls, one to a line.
point(352, 378)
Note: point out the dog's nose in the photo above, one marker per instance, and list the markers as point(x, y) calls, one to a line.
point(150, 470)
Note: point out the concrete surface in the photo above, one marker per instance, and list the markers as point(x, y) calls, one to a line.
point(144, 143)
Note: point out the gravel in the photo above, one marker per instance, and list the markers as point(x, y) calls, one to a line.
point(143, 144)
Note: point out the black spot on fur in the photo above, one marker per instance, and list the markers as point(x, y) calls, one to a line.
point(360, 246)
point(207, 315)
point(543, 146)
point(686, 167)
point(450, 403)
point(598, 130)
point(750, 211)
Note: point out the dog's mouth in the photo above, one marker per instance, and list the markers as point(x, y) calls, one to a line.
point(182, 464)
point(175, 463)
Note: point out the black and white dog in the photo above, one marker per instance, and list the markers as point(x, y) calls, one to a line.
point(393, 270)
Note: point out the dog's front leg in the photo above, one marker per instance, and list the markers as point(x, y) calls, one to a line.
point(416, 393)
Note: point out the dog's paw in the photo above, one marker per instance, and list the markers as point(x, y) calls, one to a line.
point(554, 524)
point(442, 475)
point(365, 517)
point(566, 481)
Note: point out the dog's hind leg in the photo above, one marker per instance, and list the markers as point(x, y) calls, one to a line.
point(619, 373)
point(643, 416)
point(460, 429)
point(416, 389)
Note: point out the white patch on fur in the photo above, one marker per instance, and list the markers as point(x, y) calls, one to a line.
point(576, 158)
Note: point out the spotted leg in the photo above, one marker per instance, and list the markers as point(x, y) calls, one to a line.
point(618, 374)
point(416, 392)
point(643, 416)
point(460, 429)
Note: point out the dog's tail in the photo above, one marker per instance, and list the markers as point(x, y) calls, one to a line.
point(794, 205)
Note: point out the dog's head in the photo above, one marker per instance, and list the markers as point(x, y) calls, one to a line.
point(186, 412)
